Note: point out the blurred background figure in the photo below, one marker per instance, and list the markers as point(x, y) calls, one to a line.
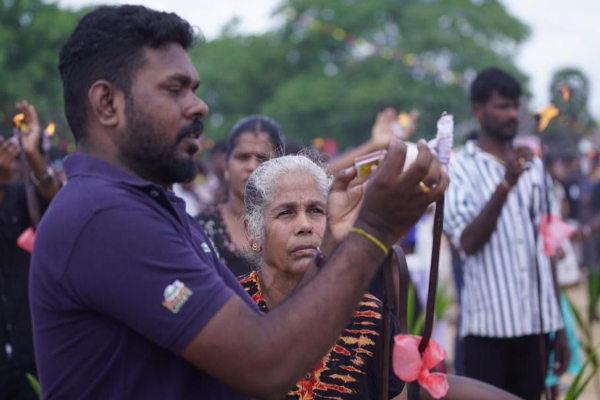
point(388, 124)
point(253, 140)
point(18, 214)
point(209, 187)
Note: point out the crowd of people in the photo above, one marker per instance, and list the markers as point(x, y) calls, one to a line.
point(163, 268)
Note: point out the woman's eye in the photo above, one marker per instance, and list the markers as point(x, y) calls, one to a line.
point(284, 213)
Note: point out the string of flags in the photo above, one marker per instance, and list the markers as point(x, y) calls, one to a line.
point(410, 60)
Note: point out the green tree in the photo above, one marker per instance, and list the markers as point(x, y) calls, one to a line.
point(31, 33)
point(332, 64)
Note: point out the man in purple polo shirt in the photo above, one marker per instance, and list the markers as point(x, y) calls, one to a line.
point(128, 298)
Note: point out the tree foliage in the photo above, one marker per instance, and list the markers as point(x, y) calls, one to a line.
point(31, 33)
point(333, 64)
point(324, 71)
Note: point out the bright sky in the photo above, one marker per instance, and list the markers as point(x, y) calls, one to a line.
point(564, 34)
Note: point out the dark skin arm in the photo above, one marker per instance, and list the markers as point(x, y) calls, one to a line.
point(8, 155)
point(31, 141)
point(263, 356)
point(478, 232)
point(463, 388)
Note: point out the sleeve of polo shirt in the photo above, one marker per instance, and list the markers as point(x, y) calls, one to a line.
point(460, 207)
point(132, 265)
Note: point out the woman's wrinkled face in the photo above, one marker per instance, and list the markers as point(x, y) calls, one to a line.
point(251, 149)
point(294, 224)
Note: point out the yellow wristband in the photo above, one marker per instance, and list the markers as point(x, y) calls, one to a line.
point(373, 239)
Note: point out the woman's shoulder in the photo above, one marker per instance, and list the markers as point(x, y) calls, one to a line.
point(249, 281)
point(251, 285)
point(364, 329)
point(367, 319)
point(370, 307)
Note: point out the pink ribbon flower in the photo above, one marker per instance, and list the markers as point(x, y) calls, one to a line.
point(554, 231)
point(26, 239)
point(410, 366)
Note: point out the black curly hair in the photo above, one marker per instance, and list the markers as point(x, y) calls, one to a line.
point(108, 44)
point(492, 80)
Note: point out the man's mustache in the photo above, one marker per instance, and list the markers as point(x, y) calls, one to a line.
point(196, 127)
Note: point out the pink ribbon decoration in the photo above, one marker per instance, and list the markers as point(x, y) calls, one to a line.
point(554, 232)
point(410, 366)
point(26, 239)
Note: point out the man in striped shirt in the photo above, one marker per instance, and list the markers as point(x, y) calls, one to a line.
point(494, 204)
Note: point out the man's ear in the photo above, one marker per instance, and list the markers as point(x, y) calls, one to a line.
point(477, 110)
point(107, 103)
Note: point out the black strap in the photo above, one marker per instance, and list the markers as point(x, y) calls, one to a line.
point(395, 259)
point(438, 225)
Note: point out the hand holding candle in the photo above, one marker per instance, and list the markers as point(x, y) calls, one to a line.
point(414, 356)
point(28, 126)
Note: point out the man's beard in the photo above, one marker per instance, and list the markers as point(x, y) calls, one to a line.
point(145, 150)
point(503, 133)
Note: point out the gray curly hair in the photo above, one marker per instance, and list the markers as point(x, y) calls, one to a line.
point(264, 181)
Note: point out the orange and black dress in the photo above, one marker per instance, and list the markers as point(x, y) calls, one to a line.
point(351, 369)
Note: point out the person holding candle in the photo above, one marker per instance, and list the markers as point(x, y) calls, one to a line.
point(288, 211)
point(494, 205)
point(285, 220)
point(16, 343)
point(128, 297)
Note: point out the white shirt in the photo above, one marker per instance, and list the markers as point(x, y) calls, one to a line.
point(500, 293)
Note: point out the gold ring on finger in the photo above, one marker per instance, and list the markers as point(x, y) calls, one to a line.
point(423, 187)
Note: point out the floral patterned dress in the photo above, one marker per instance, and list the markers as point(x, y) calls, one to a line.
point(212, 221)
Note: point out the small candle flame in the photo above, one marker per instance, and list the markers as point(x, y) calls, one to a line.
point(404, 120)
point(546, 115)
point(51, 129)
point(18, 119)
point(566, 93)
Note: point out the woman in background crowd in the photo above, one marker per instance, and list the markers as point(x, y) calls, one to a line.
point(253, 140)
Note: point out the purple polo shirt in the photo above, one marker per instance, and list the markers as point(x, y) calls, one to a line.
point(122, 280)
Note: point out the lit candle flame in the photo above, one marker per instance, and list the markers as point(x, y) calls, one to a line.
point(404, 120)
point(18, 119)
point(546, 115)
point(51, 129)
point(566, 94)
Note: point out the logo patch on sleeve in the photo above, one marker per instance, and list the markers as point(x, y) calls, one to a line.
point(205, 248)
point(176, 294)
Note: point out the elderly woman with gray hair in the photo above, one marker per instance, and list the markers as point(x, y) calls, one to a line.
point(290, 204)
point(286, 208)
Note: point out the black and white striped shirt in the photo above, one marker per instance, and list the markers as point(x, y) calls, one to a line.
point(500, 295)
